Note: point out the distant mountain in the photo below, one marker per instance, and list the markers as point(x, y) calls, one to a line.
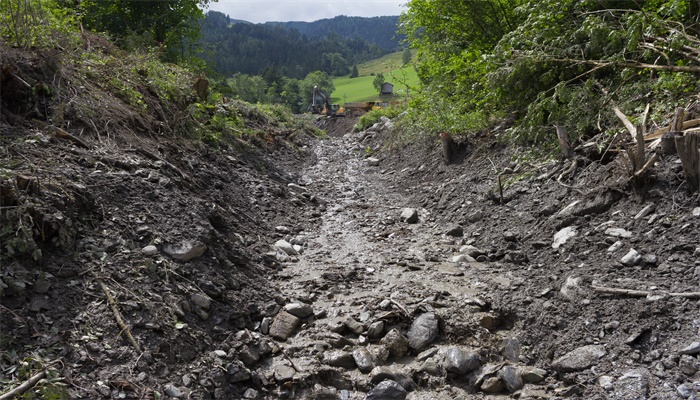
point(377, 30)
point(231, 46)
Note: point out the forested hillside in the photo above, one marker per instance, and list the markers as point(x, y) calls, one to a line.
point(234, 47)
point(376, 30)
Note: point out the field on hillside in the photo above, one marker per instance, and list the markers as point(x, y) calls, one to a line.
point(361, 89)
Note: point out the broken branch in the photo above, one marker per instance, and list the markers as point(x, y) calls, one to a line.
point(117, 314)
point(626, 122)
point(641, 293)
point(24, 386)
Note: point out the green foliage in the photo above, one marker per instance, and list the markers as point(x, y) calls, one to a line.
point(406, 56)
point(376, 115)
point(355, 73)
point(37, 23)
point(378, 81)
point(562, 62)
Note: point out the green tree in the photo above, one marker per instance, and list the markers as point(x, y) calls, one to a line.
point(173, 24)
point(306, 86)
point(378, 81)
point(406, 56)
point(355, 73)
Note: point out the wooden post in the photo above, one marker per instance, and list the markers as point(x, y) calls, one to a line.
point(689, 152)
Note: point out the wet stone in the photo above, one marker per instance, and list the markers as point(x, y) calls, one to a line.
point(380, 354)
point(354, 326)
point(185, 251)
point(396, 343)
point(423, 331)
point(284, 325)
point(363, 359)
point(339, 358)
point(430, 367)
point(375, 330)
point(579, 359)
point(284, 373)
point(460, 362)
point(387, 390)
point(511, 349)
point(492, 385)
point(533, 375)
point(511, 378)
point(300, 310)
point(286, 247)
point(692, 349)
point(455, 231)
point(379, 374)
point(172, 391)
point(201, 301)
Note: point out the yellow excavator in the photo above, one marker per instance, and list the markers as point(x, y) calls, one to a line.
point(321, 105)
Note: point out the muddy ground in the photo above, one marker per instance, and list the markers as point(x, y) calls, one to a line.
point(350, 267)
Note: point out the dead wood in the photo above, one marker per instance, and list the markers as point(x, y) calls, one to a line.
point(641, 293)
point(689, 152)
point(660, 132)
point(626, 122)
point(61, 134)
point(117, 314)
point(28, 384)
point(566, 148)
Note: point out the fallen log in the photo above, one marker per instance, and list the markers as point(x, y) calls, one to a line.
point(642, 293)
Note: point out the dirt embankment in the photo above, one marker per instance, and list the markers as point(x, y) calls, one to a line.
point(281, 266)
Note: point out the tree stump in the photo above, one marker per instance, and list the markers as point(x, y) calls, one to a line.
point(688, 150)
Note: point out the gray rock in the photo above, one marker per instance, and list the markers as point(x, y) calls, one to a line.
point(563, 236)
point(460, 362)
point(339, 358)
point(284, 373)
point(430, 367)
point(387, 390)
point(300, 310)
point(510, 236)
point(396, 343)
point(689, 365)
point(511, 349)
point(375, 329)
point(571, 288)
point(645, 211)
point(284, 325)
point(423, 331)
point(692, 349)
point(476, 216)
point(379, 374)
point(619, 233)
point(363, 359)
point(286, 247)
point(201, 301)
point(455, 231)
point(471, 251)
point(409, 215)
point(462, 258)
point(579, 359)
point(687, 390)
point(380, 354)
point(533, 375)
point(373, 162)
point(492, 385)
point(41, 285)
point(185, 251)
point(606, 382)
point(631, 259)
point(632, 384)
point(296, 188)
point(172, 391)
point(615, 246)
point(511, 378)
point(149, 250)
point(354, 326)
point(250, 393)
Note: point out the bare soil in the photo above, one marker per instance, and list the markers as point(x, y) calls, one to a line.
point(201, 301)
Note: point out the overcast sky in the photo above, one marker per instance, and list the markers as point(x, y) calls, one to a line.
point(305, 10)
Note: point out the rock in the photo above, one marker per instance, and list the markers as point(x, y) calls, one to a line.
point(284, 373)
point(510, 236)
point(172, 391)
point(423, 331)
point(387, 390)
point(380, 354)
point(185, 251)
point(363, 359)
point(375, 329)
point(645, 211)
point(462, 258)
point(250, 393)
point(286, 247)
point(696, 212)
point(379, 374)
point(631, 259)
point(492, 385)
point(619, 232)
point(339, 358)
point(300, 310)
point(396, 343)
point(606, 382)
point(409, 215)
point(430, 367)
point(511, 378)
point(615, 246)
point(511, 349)
point(533, 375)
point(354, 326)
point(296, 188)
point(471, 251)
point(149, 250)
point(563, 236)
point(689, 365)
point(455, 231)
point(489, 321)
point(373, 162)
point(249, 355)
point(201, 301)
point(687, 390)
point(571, 288)
point(579, 359)
point(692, 349)
point(41, 285)
point(282, 229)
point(461, 362)
point(284, 325)
point(632, 384)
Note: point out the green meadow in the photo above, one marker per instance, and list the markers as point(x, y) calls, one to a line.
point(361, 89)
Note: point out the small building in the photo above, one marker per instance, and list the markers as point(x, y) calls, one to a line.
point(387, 88)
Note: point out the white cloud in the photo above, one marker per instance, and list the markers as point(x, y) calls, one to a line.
point(305, 10)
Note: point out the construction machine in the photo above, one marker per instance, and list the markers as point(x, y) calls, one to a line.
point(320, 104)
